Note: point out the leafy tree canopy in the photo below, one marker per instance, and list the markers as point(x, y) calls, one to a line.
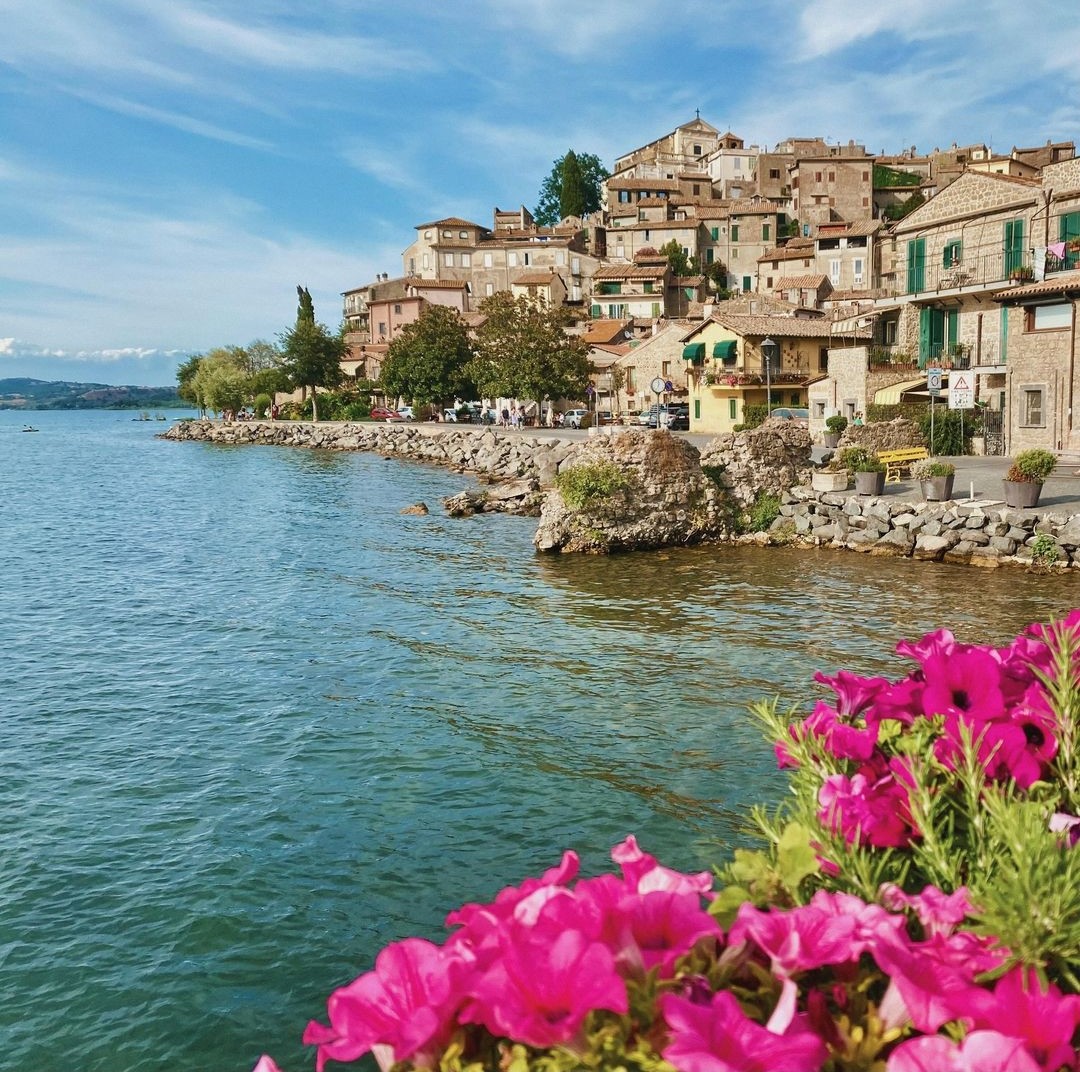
point(426, 361)
point(306, 308)
point(522, 351)
point(572, 189)
point(680, 263)
point(311, 357)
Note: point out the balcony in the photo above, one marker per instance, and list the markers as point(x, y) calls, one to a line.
point(974, 272)
point(726, 378)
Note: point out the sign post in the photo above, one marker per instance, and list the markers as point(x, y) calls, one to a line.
point(659, 385)
point(933, 387)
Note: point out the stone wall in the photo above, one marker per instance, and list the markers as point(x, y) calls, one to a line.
point(502, 456)
point(940, 532)
point(883, 435)
point(768, 459)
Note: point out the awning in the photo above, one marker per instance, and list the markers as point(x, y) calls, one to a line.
point(726, 349)
point(694, 351)
point(890, 396)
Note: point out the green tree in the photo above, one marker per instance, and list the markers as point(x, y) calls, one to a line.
point(185, 380)
point(426, 360)
point(311, 358)
point(680, 263)
point(220, 381)
point(575, 183)
point(306, 307)
point(523, 351)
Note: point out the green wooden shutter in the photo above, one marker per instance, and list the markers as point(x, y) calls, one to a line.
point(924, 336)
point(916, 264)
point(734, 232)
point(1014, 246)
point(953, 324)
point(747, 283)
point(1068, 230)
point(1004, 333)
point(764, 232)
point(714, 233)
point(709, 255)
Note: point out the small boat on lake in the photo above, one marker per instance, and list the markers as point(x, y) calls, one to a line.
point(29, 428)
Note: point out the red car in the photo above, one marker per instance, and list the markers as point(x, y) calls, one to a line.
point(381, 413)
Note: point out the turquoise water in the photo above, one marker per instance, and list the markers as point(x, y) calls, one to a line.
point(258, 723)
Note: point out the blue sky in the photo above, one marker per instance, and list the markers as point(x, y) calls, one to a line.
point(170, 170)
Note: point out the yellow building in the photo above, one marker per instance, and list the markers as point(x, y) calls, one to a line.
point(727, 370)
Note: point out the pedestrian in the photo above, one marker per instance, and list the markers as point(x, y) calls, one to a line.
point(858, 421)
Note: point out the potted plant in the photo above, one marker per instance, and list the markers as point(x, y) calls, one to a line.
point(868, 468)
point(1022, 273)
point(935, 479)
point(834, 429)
point(1024, 480)
point(834, 477)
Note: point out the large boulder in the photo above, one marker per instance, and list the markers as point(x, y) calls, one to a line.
point(769, 459)
point(646, 489)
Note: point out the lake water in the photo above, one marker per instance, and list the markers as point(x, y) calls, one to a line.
point(257, 723)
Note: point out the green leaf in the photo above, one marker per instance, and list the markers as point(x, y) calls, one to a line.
point(795, 857)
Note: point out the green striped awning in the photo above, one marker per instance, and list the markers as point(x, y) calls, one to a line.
point(726, 349)
point(694, 351)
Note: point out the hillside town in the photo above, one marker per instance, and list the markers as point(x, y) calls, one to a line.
point(811, 275)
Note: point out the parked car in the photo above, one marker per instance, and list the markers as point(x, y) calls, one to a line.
point(654, 417)
point(406, 412)
point(572, 418)
point(678, 419)
point(384, 413)
point(605, 416)
point(786, 413)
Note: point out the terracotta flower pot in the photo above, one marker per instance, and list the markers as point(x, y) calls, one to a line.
point(1022, 494)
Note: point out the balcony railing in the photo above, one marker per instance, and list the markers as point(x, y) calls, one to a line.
point(974, 271)
point(742, 378)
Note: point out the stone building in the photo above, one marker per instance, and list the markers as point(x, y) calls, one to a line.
point(1043, 362)
point(727, 368)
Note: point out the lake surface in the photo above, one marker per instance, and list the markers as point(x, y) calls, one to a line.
point(257, 723)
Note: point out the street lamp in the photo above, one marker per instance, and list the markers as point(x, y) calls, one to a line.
point(770, 351)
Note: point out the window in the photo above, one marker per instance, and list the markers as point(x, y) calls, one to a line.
point(526, 259)
point(834, 271)
point(463, 234)
point(630, 373)
point(795, 399)
point(823, 360)
point(733, 409)
point(697, 409)
point(714, 233)
point(1032, 407)
point(746, 283)
point(560, 257)
point(764, 232)
point(489, 289)
point(447, 234)
point(448, 260)
point(817, 176)
point(951, 254)
point(624, 197)
point(647, 287)
point(857, 270)
point(487, 260)
point(737, 162)
point(697, 188)
point(832, 176)
point(665, 369)
point(866, 176)
point(734, 232)
point(709, 255)
point(575, 265)
point(397, 310)
point(697, 150)
point(655, 310)
point(382, 327)
point(819, 411)
point(774, 173)
point(427, 261)
point(595, 312)
point(511, 259)
point(466, 260)
point(1047, 317)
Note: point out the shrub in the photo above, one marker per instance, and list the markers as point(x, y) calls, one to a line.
point(754, 415)
point(760, 515)
point(583, 485)
point(1044, 551)
point(261, 404)
point(836, 423)
point(931, 467)
point(860, 460)
point(1031, 466)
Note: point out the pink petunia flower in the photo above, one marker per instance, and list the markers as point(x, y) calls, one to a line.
point(406, 1004)
point(981, 1051)
point(854, 693)
point(266, 1064)
point(539, 991)
point(939, 913)
point(866, 812)
point(643, 874)
point(840, 738)
point(964, 681)
point(720, 1037)
point(663, 926)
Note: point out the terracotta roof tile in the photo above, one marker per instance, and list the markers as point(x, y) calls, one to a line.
point(784, 327)
point(630, 271)
point(451, 221)
point(1059, 283)
point(538, 278)
point(800, 282)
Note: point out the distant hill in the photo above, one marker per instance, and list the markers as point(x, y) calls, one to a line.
point(24, 393)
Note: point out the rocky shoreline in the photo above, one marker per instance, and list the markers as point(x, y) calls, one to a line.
point(696, 500)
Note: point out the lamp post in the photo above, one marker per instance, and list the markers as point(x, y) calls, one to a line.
point(770, 351)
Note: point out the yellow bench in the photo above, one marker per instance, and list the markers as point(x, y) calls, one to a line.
point(896, 461)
